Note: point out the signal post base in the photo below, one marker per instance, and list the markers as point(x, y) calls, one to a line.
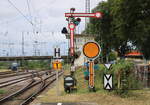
point(92, 89)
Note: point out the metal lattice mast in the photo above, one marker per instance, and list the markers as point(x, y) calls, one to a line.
point(87, 10)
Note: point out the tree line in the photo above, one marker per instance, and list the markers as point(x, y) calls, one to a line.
point(125, 25)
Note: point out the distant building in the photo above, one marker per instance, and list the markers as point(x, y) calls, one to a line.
point(79, 41)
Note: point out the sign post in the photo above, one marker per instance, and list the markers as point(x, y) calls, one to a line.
point(91, 50)
point(57, 66)
point(91, 72)
point(57, 84)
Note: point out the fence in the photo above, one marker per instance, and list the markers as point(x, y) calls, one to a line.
point(142, 72)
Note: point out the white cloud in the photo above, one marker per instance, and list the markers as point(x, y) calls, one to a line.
point(49, 12)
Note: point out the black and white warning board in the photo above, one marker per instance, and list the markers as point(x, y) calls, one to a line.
point(57, 53)
point(108, 81)
point(108, 65)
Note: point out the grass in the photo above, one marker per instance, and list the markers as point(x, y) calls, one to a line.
point(82, 84)
point(101, 97)
point(39, 64)
point(2, 91)
point(3, 70)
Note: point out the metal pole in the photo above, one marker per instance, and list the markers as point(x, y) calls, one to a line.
point(72, 42)
point(22, 48)
point(57, 83)
point(87, 10)
point(22, 43)
point(91, 75)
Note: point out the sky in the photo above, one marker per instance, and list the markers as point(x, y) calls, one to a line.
point(39, 22)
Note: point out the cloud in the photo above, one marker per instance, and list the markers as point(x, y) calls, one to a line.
point(6, 10)
point(45, 14)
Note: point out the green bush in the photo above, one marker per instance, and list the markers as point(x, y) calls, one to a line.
point(4, 65)
point(37, 64)
point(124, 78)
point(112, 56)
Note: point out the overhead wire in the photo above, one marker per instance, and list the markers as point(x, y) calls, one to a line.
point(16, 18)
point(32, 20)
point(29, 3)
point(20, 12)
point(29, 9)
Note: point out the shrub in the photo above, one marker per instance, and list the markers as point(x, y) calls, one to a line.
point(112, 56)
point(124, 78)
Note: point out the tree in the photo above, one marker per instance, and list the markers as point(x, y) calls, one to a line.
point(123, 21)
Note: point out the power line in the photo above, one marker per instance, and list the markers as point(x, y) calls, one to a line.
point(29, 9)
point(8, 21)
point(32, 19)
point(20, 12)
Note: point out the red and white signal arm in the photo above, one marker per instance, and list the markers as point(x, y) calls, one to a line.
point(98, 15)
point(94, 15)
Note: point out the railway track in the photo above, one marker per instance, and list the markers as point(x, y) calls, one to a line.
point(18, 74)
point(45, 85)
point(13, 72)
point(6, 72)
point(17, 80)
point(13, 82)
point(26, 94)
